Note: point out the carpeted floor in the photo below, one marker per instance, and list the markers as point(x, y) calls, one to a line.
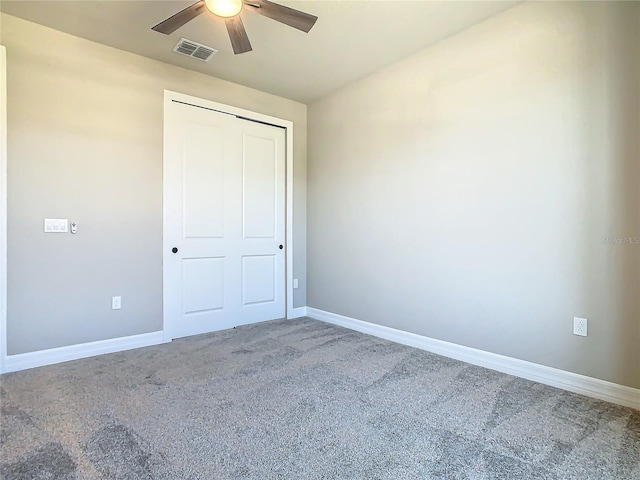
point(300, 399)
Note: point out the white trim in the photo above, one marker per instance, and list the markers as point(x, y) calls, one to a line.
point(3, 208)
point(169, 96)
point(573, 382)
point(289, 218)
point(297, 312)
point(73, 352)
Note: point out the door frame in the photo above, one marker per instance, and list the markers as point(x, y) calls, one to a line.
point(170, 96)
point(3, 208)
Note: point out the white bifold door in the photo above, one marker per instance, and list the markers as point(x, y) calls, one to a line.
point(224, 225)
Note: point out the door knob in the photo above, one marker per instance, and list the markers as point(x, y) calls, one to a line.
point(280, 247)
point(174, 249)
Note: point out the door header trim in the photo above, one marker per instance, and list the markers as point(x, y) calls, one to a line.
point(231, 114)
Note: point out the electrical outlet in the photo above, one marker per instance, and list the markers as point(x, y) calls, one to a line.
point(580, 326)
point(116, 303)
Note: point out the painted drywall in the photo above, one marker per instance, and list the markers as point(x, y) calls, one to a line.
point(486, 190)
point(85, 143)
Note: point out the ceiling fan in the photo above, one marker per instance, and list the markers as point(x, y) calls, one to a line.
point(230, 10)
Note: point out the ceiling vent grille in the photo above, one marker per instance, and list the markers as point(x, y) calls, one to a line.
point(195, 50)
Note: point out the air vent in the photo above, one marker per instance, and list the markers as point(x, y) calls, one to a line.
point(195, 50)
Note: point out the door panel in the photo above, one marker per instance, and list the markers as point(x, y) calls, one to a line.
point(224, 209)
point(258, 279)
point(202, 284)
point(259, 187)
point(203, 181)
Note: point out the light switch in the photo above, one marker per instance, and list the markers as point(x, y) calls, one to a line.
point(56, 225)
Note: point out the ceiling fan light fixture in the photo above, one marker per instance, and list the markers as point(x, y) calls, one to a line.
point(230, 10)
point(224, 8)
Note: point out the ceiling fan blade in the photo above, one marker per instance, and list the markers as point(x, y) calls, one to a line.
point(289, 16)
point(237, 35)
point(174, 22)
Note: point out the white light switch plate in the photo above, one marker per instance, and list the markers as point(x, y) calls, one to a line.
point(56, 225)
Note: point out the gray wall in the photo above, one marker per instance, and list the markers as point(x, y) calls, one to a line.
point(464, 193)
point(85, 143)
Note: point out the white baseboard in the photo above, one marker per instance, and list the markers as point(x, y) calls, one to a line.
point(297, 312)
point(573, 382)
point(22, 361)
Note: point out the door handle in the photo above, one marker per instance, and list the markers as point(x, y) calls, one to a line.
point(174, 249)
point(280, 247)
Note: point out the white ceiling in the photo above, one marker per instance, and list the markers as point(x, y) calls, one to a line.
point(350, 39)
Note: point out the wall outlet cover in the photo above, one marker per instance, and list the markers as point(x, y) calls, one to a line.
point(580, 326)
point(116, 303)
